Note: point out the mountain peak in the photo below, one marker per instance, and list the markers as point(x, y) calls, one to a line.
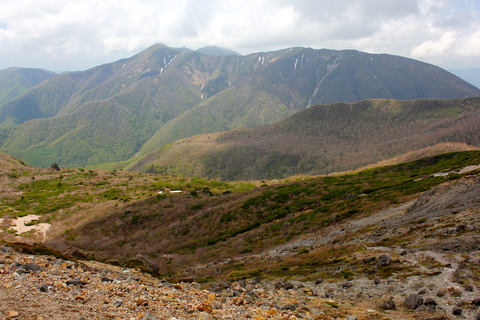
point(217, 51)
point(158, 45)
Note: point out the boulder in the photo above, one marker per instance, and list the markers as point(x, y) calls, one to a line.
point(422, 291)
point(441, 292)
point(388, 304)
point(384, 261)
point(476, 302)
point(54, 167)
point(44, 288)
point(457, 311)
point(237, 287)
point(287, 285)
point(413, 301)
point(430, 302)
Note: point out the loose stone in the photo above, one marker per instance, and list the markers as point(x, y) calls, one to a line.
point(388, 304)
point(44, 288)
point(457, 311)
point(413, 301)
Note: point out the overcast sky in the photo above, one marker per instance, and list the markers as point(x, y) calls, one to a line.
point(70, 35)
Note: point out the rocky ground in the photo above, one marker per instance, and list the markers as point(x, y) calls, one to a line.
point(46, 287)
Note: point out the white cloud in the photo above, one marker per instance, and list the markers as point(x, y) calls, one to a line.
point(435, 48)
point(77, 34)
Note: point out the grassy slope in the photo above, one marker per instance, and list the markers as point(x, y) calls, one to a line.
point(72, 195)
point(439, 148)
point(7, 162)
point(206, 228)
point(116, 215)
point(321, 139)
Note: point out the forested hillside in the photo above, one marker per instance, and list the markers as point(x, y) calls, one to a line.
point(321, 139)
point(113, 112)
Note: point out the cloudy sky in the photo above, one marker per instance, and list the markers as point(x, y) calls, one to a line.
point(61, 35)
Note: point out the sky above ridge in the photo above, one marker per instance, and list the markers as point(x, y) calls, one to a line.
point(75, 35)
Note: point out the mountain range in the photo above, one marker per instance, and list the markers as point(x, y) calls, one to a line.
point(114, 114)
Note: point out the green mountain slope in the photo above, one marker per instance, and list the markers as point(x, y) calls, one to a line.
point(106, 117)
point(321, 139)
point(113, 112)
point(305, 77)
point(16, 81)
